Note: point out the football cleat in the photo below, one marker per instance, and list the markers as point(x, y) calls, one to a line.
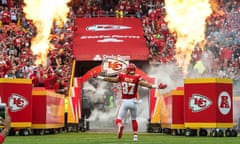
point(120, 131)
point(135, 138)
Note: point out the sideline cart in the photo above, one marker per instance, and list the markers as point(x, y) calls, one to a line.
point(172, 118)
point(208, 105)
point(48, 111)
point(17, 94)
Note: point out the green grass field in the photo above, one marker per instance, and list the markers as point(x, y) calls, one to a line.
point(111, 138)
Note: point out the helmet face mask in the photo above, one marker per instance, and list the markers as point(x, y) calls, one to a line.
point(131, 69)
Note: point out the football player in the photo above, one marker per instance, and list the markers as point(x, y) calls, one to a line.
point(129, 82)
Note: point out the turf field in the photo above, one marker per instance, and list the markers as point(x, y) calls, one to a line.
point(111, 138)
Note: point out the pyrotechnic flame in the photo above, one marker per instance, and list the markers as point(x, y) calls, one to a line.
point(44, 13)
point(187, 19)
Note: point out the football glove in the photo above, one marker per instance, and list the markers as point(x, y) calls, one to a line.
point(162, 86)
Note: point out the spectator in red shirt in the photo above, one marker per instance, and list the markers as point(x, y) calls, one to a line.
point(94, 9)
point(3, 67)
point(50, 79)
point(60, 86)
point(41, 78)
point(6, 16)
point(34, 77)
point(136, 8)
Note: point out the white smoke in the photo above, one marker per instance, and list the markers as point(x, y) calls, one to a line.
point(101, 117)
point(169, 74)
point(105, 119)
point(143, 114)
point(88, 87)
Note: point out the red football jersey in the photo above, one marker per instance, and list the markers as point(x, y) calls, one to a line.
point(129, 85)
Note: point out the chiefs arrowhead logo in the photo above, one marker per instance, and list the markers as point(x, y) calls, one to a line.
point(113, 66)
point(17, 102)
point(199, 103)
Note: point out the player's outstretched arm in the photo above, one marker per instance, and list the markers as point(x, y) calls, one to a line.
point(149, 85)
point(109, 79)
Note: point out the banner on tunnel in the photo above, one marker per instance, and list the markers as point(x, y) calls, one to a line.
point(97, 38)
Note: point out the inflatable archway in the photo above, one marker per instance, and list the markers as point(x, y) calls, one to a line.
point(98, 69)
point(152, 92)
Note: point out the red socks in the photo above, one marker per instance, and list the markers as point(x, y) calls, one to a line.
point(135, 126)
point(118, 122)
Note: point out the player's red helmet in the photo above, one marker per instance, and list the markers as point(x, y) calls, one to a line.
point(131, 68)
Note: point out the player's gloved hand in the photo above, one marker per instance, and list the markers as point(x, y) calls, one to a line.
point(162, 86)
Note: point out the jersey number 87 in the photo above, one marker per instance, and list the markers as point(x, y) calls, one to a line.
point(128, 88)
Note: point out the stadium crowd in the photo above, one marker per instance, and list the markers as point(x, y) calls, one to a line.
point(16, 57)
point(16, 32)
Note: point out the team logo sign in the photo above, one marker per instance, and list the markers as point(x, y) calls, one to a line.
point(17, 102)
point(107, 27)
point(111, 66)
point(199, 103)
point(224, 103)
